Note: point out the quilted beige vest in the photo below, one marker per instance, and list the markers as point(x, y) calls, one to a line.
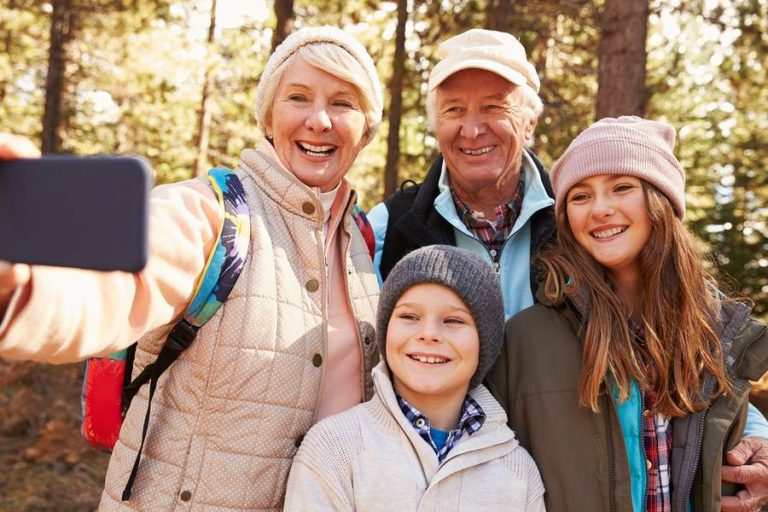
point(228, 416)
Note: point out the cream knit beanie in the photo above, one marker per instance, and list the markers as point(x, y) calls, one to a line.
point(325, 34)
point(625, 145)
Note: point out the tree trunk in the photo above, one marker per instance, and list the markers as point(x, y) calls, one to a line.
point(621, 71)
point(497, 15)
point(284, 26)
point(204, 117)
point(396, 101)
point(62, 30)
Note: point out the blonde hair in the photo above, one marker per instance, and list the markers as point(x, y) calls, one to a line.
point(334, 60)
point(679, 308)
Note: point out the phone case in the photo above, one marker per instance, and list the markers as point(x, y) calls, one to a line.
point(84, 212)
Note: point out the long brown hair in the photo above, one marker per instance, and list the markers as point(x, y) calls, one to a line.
point(679, 308)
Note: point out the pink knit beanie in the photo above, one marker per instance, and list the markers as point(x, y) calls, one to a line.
point(625, 145)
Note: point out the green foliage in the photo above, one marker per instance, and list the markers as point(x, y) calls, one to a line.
point(136, 73)
point(23, 60)
point(708, 78)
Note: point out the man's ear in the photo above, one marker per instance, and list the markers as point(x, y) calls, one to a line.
point(530, 128)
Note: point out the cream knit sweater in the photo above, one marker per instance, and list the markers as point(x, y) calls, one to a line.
point(371, 459)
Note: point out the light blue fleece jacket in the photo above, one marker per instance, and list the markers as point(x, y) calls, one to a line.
point(514, 267)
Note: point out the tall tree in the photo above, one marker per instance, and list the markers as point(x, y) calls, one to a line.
point(497, 14)
point(284, 25)
point(62, 32)
point(204, 115)
point(396, 101)
point(622, 58)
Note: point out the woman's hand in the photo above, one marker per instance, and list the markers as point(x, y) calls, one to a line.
point(13, 275)
point(16, 146)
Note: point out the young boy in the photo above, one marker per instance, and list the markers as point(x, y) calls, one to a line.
point(431, 438)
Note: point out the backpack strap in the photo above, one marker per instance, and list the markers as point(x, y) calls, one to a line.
point(364, 225)
point(225, 262)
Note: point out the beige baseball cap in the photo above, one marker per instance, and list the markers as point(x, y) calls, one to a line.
point(497, 52)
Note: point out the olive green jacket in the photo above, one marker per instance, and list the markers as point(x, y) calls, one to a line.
point(581, 454)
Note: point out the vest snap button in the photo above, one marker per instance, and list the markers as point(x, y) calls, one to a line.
point(313, 285)
point(308, 208)
point(648, 464)
point(420, 422)
point(185, 495)
point(317, 360)
point(367, 340)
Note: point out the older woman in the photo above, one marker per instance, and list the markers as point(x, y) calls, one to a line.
point(292, 344)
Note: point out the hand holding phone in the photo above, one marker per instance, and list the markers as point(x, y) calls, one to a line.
point(15, 146)
point(84, 212)
point(12, 275)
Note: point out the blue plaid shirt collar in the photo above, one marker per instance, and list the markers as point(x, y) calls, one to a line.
point(472, 419)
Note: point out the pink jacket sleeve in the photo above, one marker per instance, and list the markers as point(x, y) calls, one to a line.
point(65, 315)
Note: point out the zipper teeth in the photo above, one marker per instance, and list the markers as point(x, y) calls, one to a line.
point(611, 455)
point(497, 264)
point(699, 440)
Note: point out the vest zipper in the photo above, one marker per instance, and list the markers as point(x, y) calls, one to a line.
point(324, 310)
point(346, 244)
point(345, 276)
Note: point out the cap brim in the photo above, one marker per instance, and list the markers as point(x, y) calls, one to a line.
point(446, 68)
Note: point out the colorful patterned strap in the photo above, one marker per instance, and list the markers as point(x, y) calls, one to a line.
point(226, 261)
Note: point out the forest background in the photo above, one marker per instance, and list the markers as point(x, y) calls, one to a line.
point(174, 82)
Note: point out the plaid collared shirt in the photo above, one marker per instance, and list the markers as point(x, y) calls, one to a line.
point(472, 418)
point(493, 233)
point(657, 431)
point(657, 445)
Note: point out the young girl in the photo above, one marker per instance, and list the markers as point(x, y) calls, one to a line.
point(432, 438)
point(629, 382)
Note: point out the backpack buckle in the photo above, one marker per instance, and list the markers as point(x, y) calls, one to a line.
point(181, 336)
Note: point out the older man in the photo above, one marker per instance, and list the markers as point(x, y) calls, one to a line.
point(485, 193)
point(488, 194)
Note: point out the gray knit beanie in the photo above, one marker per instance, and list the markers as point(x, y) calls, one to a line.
point(469, 276)
point(625, 145)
